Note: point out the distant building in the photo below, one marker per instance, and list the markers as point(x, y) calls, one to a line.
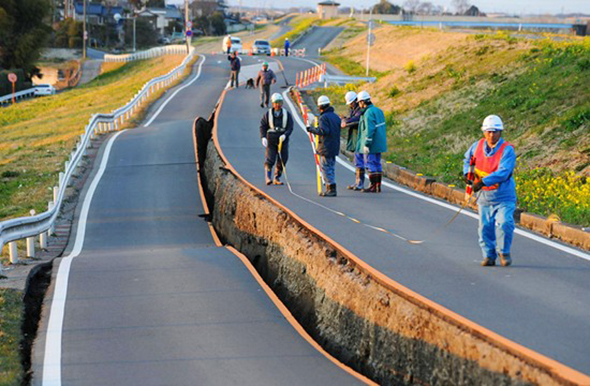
point(162, 17)
point(96, 14)
point(328, 9)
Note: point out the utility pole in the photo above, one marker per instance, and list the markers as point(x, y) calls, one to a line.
point(85, 33)
point(369, 40)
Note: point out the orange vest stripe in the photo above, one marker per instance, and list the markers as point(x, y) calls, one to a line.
point(484, 166)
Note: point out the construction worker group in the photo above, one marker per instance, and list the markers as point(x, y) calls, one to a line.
point(492, 159)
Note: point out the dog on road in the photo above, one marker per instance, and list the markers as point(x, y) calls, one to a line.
point(250, 83)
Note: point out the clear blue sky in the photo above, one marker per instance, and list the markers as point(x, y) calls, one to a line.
point(510, 6)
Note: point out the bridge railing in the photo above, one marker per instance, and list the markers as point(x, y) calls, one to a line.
point(42, 224)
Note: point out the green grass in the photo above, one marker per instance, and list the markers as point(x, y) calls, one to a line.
point(37, 136)
point(11, 314)
point(299, 24)
point(349, 66)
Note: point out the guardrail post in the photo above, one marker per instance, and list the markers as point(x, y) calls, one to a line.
point(43, 240)
point(61, 178)
point(13, 252)
point(30, 247)
point(55, 193)
point(50, 206)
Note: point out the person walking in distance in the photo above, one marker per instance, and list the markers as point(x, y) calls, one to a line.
point(372, 140)
point(265, 78)
point(328, 131)
point(495, 160)
point(287, 46)
point(228, 44)
point(235, 65)
point(351, 122)
point(276, 127)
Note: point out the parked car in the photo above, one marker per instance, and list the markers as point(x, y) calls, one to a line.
point(44, 89)
point(261, 47)
point(236, 44)
point(164, 40)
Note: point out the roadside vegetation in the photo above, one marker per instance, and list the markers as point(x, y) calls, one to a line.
point(299, 24)
point(11, 314)
point(37, 136)
point(436, 99)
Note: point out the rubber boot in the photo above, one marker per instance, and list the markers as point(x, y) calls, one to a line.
point(505, 259)
point(330, 191)
point(372, 183)
point(378, 181)
point(268, 175)
point(488, 262)
point(277, 180)
point(360, 180)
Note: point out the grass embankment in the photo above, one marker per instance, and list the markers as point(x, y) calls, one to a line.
point(37, 136)
point(299, 25)
point(11, 314)
point(436, 97)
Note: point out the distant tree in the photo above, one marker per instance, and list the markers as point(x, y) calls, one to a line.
point(202, 23)
point(386, 8)
point(218, 24)
point(23, 34)
point(156, 3)
point(411, 6)
point(473, 11)
point(145, 34)
point(461, 6)
point(426, 8)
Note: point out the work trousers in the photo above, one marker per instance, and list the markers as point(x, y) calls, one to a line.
point(264, 94)
point(235, 77)
point(496, 228)
point(373, 161)
point(272, 151)
point(360, 160)
point(328, 167)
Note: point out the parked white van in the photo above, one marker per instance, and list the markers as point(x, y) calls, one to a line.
point(236, 44)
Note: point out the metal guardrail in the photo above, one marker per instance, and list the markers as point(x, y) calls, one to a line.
point(341, 79)
point(42, 224)
point(147, 54)
point(23, 94)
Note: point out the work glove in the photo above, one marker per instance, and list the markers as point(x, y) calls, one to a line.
point(310, 120)
point(467, 180)
point(366, 150)
point(264, 142)
point(282, 138)
point(478, 185)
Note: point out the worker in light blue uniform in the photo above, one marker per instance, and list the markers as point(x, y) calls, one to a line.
point(495, 160)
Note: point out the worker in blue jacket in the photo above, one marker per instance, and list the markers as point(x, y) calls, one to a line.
point(328, 131)
point(235, 65)
point(287, 46)
point(372, 140)
point(495, 160)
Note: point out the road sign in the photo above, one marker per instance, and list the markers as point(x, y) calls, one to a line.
point(189, 24)
point(371, 24)
point(189, 33)
point(13, 78)
point(371, 39)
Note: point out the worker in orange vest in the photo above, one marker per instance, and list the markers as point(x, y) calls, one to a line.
point(495, 160)
point(228, 44)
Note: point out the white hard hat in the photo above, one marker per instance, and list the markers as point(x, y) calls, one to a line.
point(350, 97)
point(323, 100)
point(492, 123)
point(363, 96)
point(276, 97)
point(286, 38)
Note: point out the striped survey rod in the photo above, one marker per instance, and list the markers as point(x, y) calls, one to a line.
point(313, 140)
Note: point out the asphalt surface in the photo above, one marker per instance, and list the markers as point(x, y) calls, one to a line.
point(318, 37)
point(150, 299)
point(542, 302)
point(90, 70)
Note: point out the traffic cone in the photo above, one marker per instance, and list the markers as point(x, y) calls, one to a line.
point(297, 79)
point(250, 52)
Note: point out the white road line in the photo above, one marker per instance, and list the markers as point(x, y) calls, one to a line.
point(521, 232)
point(174, 94)
point(53, 339)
